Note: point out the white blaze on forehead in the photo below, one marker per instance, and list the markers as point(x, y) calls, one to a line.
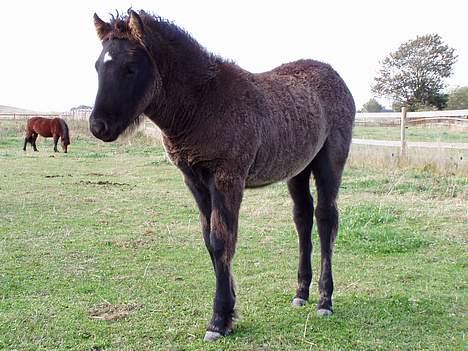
point(107, 57)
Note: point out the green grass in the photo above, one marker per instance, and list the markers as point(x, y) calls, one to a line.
point(100, 249)
point(435, 134)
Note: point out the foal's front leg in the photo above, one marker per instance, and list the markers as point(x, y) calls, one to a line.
point(226, 196)
point(202, 196)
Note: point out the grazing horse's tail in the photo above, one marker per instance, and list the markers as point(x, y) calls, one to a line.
point(65, 134)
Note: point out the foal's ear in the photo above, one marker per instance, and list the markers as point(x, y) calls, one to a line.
point(102, 28)
point(135, 24)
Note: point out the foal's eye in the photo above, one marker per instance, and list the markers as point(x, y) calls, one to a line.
point(130, 70)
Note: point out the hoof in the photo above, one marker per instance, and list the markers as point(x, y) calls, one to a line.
point(322, 312)
point(212, 336)
point(298, 302)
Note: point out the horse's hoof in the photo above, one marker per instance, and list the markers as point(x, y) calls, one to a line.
point(212, 336)
point(322, 312)
point(298, 302)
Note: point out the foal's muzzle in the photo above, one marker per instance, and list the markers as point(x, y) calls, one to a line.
point(101, 130)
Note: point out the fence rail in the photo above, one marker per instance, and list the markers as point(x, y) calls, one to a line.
point(78, 114)
point(406, 119)
point(419, 114)
point(389, 119)
point(383, 119)
point(27, 115)
point(412, 144)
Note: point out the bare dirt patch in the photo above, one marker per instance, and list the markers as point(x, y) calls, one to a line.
point(58, 175)
point(109, 312)
point(132, 244)
point(103, 183)
point(97, 174)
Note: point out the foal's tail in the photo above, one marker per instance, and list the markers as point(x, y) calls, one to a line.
point(65, 133)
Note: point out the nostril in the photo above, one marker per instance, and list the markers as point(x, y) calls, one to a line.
point(98, 128)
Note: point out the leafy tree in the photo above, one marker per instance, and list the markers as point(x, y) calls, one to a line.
point(439, 101)
point(372, 106)
point(458, 99)
point(436, 102)
point(414, 75)
point(396, 106)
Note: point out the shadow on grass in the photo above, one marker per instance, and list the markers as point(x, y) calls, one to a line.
point(359, 323)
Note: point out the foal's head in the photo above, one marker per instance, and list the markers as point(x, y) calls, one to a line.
point(128, 77)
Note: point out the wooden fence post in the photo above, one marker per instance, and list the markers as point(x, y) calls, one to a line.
point(402, 132)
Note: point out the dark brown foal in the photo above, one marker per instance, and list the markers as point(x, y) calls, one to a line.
point(227, 129)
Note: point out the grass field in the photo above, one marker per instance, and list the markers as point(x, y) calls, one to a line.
point(100, 249)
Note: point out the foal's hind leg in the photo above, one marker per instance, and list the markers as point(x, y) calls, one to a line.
point(327, 172)
point(303, 212)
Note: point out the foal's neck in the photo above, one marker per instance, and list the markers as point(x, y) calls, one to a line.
point(186, 70)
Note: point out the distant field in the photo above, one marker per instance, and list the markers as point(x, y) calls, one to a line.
point(101, 250)
point(434, 134)
point(10, 109)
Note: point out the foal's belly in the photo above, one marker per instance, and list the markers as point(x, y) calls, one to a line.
point(270, 166)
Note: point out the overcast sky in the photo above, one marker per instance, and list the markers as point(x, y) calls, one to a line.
point(48, 48)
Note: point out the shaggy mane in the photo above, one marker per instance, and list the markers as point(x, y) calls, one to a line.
point(166, 28)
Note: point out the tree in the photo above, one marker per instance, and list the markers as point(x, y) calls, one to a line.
point(458, 99)
point(81, 107)
point(414, 75)
point(372, 106)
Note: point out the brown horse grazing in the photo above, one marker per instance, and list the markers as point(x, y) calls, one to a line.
point(47, 127)
point(227, 129)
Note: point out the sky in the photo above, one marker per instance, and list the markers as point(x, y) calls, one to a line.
point(48, 48)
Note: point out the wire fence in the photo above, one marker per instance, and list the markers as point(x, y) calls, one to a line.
point(75, 114)
point(457, 119)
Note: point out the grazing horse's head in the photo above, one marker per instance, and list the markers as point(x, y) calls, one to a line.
point(128, 77)
point(65, 144)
